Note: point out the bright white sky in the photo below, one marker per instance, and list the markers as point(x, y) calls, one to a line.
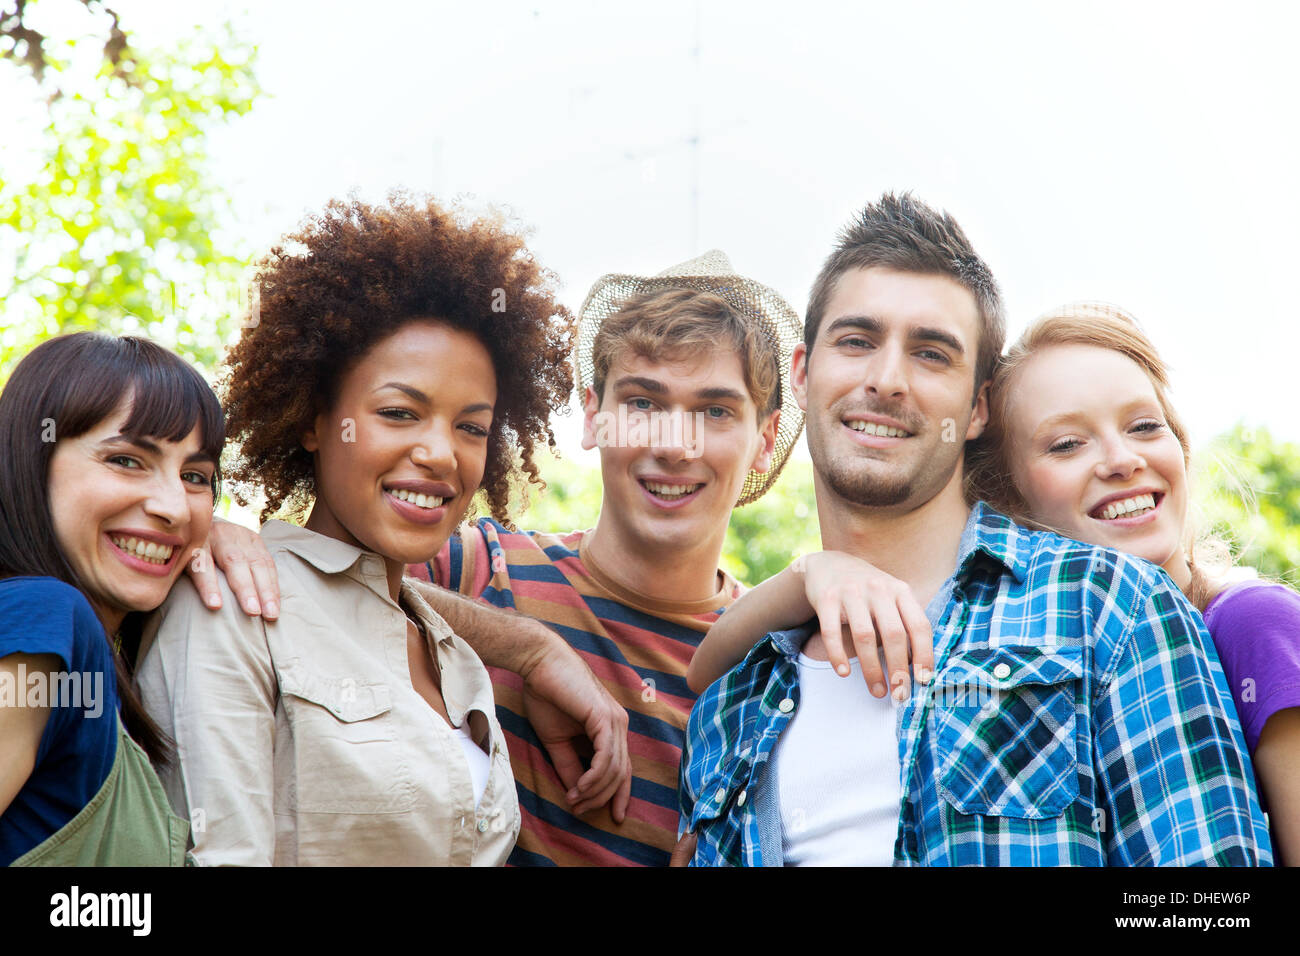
point(1140, 153)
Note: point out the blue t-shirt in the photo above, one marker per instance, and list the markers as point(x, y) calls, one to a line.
point(46, 616)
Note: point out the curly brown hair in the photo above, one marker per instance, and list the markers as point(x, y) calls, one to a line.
point(353, 275)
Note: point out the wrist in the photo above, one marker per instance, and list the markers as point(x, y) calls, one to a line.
point(538, 644)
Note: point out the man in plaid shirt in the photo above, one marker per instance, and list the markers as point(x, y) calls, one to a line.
point(1078, 715)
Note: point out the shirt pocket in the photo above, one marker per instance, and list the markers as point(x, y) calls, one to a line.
point(346, 754)
point(1006, 730)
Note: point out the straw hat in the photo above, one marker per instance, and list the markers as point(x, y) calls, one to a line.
point(711, 272)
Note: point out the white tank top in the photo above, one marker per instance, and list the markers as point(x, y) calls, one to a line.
point(837, 772)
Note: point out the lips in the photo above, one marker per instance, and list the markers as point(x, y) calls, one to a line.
point(1127, 505)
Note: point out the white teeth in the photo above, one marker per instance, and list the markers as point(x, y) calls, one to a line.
point(419, 500)
point(670, 491)
point(1129, 506)
point(144, 550)
point(881, 431)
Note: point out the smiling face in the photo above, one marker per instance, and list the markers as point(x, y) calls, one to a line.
point(128, 512)
point(888, 387)
point(676, 440)
point(402, 451)
point(1093, 456)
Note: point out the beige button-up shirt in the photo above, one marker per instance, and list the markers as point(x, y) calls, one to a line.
point(303, 741)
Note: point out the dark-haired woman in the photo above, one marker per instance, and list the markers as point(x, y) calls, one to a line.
point(402, 360)
point(106, 486)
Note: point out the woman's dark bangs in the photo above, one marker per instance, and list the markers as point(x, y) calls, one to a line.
point(169, 399)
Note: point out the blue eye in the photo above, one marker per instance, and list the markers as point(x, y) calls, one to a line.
point(641, 404)
point(717, 411)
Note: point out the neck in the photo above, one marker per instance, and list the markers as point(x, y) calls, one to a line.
point(1177, 568)
point(322, 521)
point(663, 572)
point(917, 545)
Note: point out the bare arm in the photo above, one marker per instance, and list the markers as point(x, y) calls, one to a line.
point(839, 589)
point(562, 697)
point(1277, 763)
point(21, 727)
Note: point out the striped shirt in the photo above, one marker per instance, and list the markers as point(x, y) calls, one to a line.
point(1078, 715)
point(637, 646)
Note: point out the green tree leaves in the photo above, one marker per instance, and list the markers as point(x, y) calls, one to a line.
point(120, 230)
point(1248, 490)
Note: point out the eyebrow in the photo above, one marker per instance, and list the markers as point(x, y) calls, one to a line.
point(414, 393)
point(152, 447)
point(714, 393)
point(916, 333)
point(1068, 417)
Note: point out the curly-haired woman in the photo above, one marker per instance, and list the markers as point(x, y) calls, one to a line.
point(402, 361)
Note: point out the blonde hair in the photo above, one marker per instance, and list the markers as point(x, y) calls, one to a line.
point(683, 322)
point(1103, 326)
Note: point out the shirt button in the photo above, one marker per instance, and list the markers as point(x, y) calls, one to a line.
point(785, 706)
point(740, 800)
point(721, 795)
point(482, 826)
point(1002, 671)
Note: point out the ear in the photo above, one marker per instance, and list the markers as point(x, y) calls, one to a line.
point(590, 406)
point(767, 443)
point(799, 375)
point(979, 418)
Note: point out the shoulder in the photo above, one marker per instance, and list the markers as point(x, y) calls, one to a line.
point(1257, 611)
point(46, 615)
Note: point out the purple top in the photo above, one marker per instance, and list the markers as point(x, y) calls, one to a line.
point(1256, 630)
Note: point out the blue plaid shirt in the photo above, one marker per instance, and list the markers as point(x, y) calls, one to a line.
point(1078, 715)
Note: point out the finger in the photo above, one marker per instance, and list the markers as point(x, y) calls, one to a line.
point(204, 577)
point(267, 585)
point(921, 637)
point(872, 672)
point(568, 767)
point(861, 630)
point(828, 619)
point(622, 798)
point(239, 577)
point(684, 851)
point(893, 641)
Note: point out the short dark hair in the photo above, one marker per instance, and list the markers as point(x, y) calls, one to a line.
point(73, 383)
point(903, 233)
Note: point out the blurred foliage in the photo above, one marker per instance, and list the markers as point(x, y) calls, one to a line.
point(763, 537)
point(120, 228)
point(1248, 491)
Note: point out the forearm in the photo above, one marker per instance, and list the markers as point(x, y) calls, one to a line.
point(778, 603)
point(501, 638)
point(1277, 762)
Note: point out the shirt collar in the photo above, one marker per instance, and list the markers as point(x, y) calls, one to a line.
point(987, 534)
point(327, 555)
point(991, 533)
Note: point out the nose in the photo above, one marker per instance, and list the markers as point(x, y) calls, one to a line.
point(167, 499)
point(435, 450)
point(1119, 459)
point(672, 436)
point(886, 375)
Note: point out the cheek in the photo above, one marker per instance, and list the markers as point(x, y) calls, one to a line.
point(1049, 491)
